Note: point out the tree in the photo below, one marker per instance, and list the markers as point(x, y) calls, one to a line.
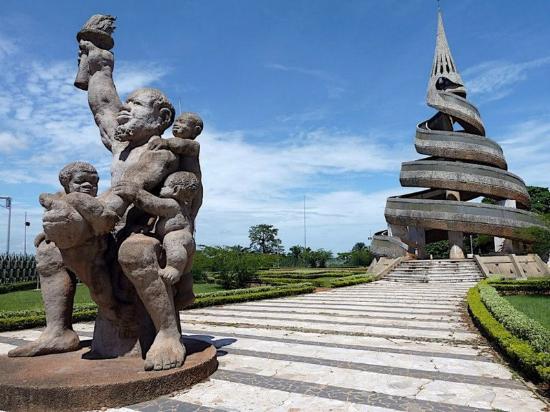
point(263, 239)
point(360, 255)
point(296, 251)
point(317, 258)
point(540, 199)
point(439, 249)
point(359, 246)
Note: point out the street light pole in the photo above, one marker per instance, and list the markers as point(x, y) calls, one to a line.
point(25, 236)
point(8, 206)
point(305, 238)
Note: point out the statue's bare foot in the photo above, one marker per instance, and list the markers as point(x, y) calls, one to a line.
point(167, 352)
point(58, 341)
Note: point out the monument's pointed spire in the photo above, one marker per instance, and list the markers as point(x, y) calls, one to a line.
point(443, 64)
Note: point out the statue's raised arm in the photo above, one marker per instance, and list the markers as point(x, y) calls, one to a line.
point(95, 74)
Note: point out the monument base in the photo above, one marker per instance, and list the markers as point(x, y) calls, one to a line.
point(68, 382)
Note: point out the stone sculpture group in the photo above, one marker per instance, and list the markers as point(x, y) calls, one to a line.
point(133, 245)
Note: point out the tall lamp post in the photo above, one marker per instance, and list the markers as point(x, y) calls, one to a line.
point(27, 224)
point(8, 206)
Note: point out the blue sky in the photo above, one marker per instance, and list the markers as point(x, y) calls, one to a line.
point(315, 98)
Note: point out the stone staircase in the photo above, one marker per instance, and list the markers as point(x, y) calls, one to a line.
point(428, 271)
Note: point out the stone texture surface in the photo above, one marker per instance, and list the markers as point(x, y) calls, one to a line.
point(321, 352)
point(462, 161)
point(70, 381)
point(133, 246)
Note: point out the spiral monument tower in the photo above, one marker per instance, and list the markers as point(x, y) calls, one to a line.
point(462, 165)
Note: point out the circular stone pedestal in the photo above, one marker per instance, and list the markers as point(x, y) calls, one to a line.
point(66, 381)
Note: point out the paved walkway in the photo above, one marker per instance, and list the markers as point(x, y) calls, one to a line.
point(375, 347)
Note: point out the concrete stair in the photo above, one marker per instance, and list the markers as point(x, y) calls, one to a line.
point(429, 271)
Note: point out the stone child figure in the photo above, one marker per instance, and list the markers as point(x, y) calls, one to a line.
point(174, 227)
point(187, 127)
point(58, 283)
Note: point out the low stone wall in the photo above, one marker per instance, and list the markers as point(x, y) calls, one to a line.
point(382, 266)
point(513, 266)
point(389, 246)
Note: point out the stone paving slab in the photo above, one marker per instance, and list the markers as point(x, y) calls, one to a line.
point(365, 320)
point(333, 327)
point(338, 312)
point(360, 348)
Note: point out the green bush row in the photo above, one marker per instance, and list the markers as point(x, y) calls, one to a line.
point(512, 319)
point(529, 360)
point(233, 292)
point(84, 312)
point(523, 286)
point(351, 280)
point(23, 319)
point(13, 287)
point(312, 275)
point(311, 272)
point(274, 292)
point(283, 281)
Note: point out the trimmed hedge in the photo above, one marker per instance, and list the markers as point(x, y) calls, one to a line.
point(273, 292)
point(283, 281)
point(234, 292)
point(525, 286)
point(351, 280)
point(534, 363)
point(306, 276)
point(14, 287)
point(85, 312)
point(348, 280)
point(512, 319)
point(23, 319)
point(311, 272)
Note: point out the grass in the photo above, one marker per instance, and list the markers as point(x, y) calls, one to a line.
point(32, 299)
point(537, 307)
point(206, 287)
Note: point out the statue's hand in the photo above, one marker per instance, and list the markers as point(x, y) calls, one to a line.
point(39, 239)
point(97, 58)
point(127, 191)
point(158, 143)
point(46, 200)
point(170, 275)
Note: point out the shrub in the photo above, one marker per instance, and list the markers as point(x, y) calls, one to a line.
point(533, 363)
point(252, 294)
point(17, 268)
point(439, 250)
point(13, 287)
point(233, 266)
point(515, 321)
point(523, 286)
point(86, 312)
point(351, 280)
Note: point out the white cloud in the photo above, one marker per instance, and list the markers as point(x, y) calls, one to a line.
point(493, 80)
point(526, 147)
point(10, 143)
point(247, 184)
point(39, 104)
point(46, 123)
point(7, 46)
point(335, 86)
point(132, 76)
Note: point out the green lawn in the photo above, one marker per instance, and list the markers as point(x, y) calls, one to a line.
point(206, 287)
point(31, 299)
point(535, 306)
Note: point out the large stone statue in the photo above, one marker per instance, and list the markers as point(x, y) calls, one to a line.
point(133, 245)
